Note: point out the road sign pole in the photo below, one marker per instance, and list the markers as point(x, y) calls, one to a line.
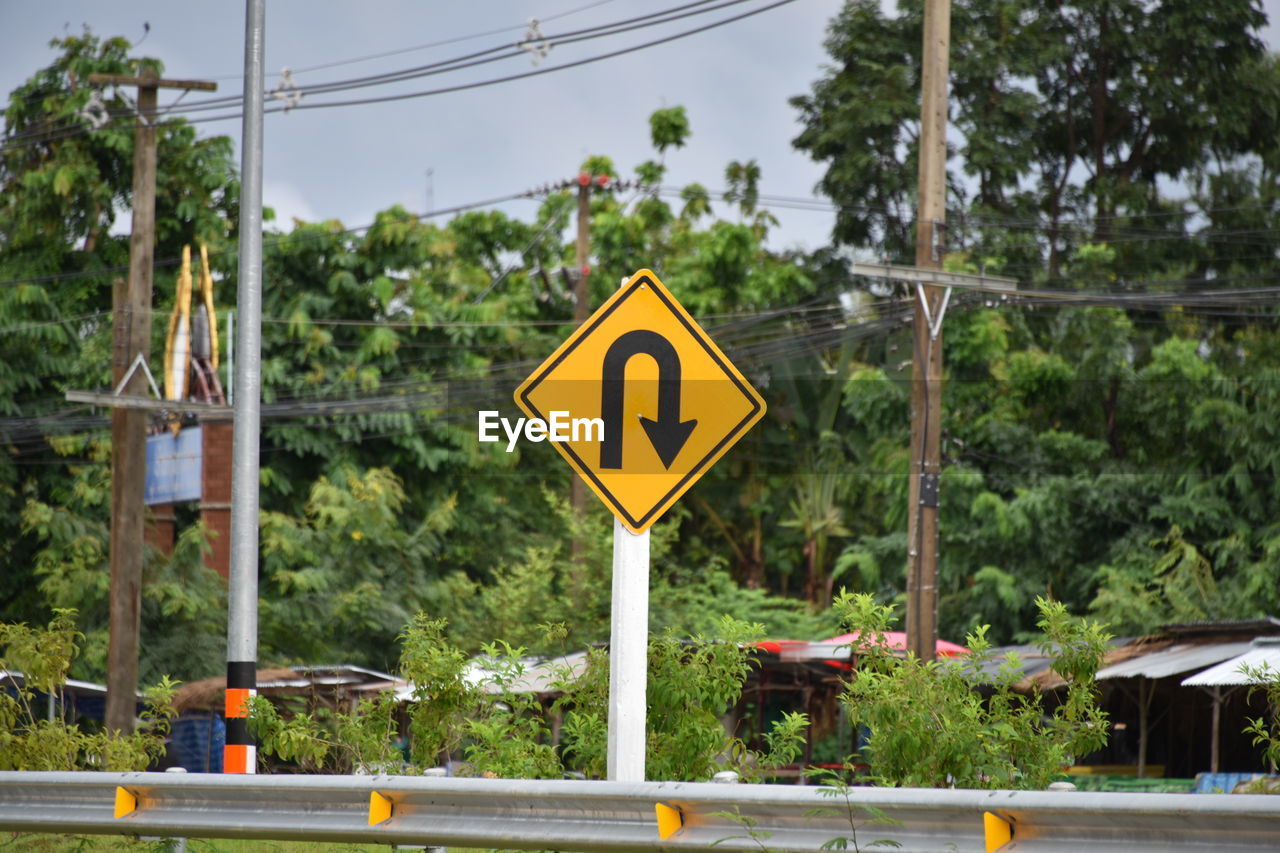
point(628, 654)
point(628, 651)
point(669, 426)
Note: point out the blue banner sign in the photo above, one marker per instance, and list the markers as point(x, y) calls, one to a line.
point(174, 466)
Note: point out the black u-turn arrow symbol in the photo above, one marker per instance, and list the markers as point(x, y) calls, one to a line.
point(668, 433)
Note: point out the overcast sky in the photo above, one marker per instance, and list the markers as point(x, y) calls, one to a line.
point(349, 162)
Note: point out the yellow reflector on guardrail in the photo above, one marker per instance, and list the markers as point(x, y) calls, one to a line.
point(379, 808)
point(126, 802)
point(670, 819)
point(998, 831)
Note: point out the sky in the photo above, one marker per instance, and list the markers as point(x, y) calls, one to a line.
point(347, 163)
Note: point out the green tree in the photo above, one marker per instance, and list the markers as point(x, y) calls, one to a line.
point(1064, 112)
point(183, 601)
point(349, 561)
point(930, 726)
point(64, 184)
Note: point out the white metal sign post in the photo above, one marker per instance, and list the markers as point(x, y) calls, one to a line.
point(669, 404)
point(628, 654)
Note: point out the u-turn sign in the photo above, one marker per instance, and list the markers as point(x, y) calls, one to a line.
point(670, 401)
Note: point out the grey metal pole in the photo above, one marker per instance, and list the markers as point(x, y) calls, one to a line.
point(242, 598)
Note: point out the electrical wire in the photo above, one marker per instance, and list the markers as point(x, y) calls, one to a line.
point(442, 43)
point(354, 60)
point(267, 241)
point(769, 200)
point(482, 57)
point(510, 77)
point(452, 405)
point(428, 394)
point(652, 19)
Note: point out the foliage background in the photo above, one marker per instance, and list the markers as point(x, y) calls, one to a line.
point(1109, 439)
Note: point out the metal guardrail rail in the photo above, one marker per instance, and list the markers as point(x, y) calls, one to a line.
point(615, 816)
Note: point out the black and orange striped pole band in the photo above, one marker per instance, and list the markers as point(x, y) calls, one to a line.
point(240, 753)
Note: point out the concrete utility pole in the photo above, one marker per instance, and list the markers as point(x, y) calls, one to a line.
point(131, 338)
point(926, 361)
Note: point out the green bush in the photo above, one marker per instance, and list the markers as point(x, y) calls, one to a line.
point(932, 726)
point(499, 730)
point(29, 741)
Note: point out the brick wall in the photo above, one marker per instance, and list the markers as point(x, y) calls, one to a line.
point(215, 506)
point(159, 528)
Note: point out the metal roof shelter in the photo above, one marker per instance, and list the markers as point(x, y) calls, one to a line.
point(1260, 626)
point(338, 676)
point(1176, 659)
point(837, 650)
point(1262, 652)
point(336, 683)
point(1180, 648)
point(79, 697)
point(539, 676)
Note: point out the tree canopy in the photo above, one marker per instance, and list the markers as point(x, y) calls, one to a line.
point(1108, 434)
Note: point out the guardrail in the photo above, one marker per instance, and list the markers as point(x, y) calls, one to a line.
point(616, 816)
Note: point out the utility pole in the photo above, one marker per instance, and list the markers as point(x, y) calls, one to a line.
point(926, 361)
point(581, 298)
point(240, 753)
point(581, 308)
point(131, 339)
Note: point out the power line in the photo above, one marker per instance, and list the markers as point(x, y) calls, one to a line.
point(481, 57)
point(521, 76)
point(395, 52)
point(442, 43)
point(451, 405)
point(231, 253)
point(469, 60)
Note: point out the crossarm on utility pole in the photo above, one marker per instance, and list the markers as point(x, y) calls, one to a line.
point(151, 81)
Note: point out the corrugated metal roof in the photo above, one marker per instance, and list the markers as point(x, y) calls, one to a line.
point(1263, 625)
point(72, 684)
point(1031, 660)
point(1263, 652)
point(841, 648)
point(1175, 659)
point(538, 676)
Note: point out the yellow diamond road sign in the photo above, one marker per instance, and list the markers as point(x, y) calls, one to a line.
point(668, 399)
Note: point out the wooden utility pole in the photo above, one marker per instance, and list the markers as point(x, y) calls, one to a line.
point(132, 337)
point(581, 307)
point(926, 361)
